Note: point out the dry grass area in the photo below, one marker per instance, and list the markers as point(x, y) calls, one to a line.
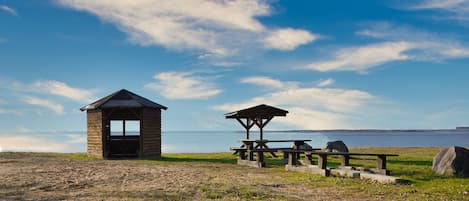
point(42, 176)
point(215, 176)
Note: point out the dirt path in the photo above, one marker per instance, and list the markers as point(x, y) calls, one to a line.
point(35, 176)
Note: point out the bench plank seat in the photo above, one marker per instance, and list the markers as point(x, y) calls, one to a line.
point(336, 153)
point(293, 156)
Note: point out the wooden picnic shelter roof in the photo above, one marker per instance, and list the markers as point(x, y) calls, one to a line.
point(123, 99)
point(259, 115)
point(260, 111)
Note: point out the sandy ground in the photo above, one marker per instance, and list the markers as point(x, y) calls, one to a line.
point(35, 176)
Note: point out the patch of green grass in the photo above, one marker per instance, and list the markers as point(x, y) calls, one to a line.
point(79, 156)
point(214, 195)
point(227, 158)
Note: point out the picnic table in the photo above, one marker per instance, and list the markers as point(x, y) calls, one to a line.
point(258, 147)
point(293, 156)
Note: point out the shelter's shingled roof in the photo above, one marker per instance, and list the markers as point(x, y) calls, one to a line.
point(260, 111)
point(123, 99)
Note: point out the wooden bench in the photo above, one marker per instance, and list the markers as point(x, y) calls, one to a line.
point(293, 157)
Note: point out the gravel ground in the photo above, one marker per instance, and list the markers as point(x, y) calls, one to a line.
point(42, 176)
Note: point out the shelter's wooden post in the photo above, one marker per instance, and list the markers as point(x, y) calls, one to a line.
point(142, 136)
point(247, 128)
point(107, 136)
point(261, 126)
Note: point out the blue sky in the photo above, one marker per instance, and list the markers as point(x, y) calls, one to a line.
point(332, 64)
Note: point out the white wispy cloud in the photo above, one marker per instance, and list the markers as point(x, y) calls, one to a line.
point(219, 28)
point(288, 39)
point(306, 118)
point(64, 90)
point(438, 4)
point(363, 57)
point(268, 82)
point(50, 105)
point(426, 45)
point(183, 85)
point(11, 111)
point(399, 43)
point(326, 82)
point(310, 107)
point(56, 88)
point(45, 94)
point(8, 10)
point(455, 9)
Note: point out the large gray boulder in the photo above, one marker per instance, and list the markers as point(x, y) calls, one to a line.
point(452, 161)
point(337, 146)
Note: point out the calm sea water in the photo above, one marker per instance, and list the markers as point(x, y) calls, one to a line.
point(220, 141)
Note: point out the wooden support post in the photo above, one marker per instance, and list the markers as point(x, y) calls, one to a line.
point(260, 157)
point(292, 160)
point(345, 160)
point(250, 155)
point(259, 122)
point(247, 129)
point(381, 162)
point(261, 131)
point(322, 161)
point(296, 145)
point(242, 155)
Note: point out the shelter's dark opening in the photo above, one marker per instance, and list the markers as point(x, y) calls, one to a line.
point(124, 139)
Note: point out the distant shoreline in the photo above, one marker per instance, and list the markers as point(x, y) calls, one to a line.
point(376, 130)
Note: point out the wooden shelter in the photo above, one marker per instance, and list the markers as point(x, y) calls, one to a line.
point(258, 115)
point(123, 124)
